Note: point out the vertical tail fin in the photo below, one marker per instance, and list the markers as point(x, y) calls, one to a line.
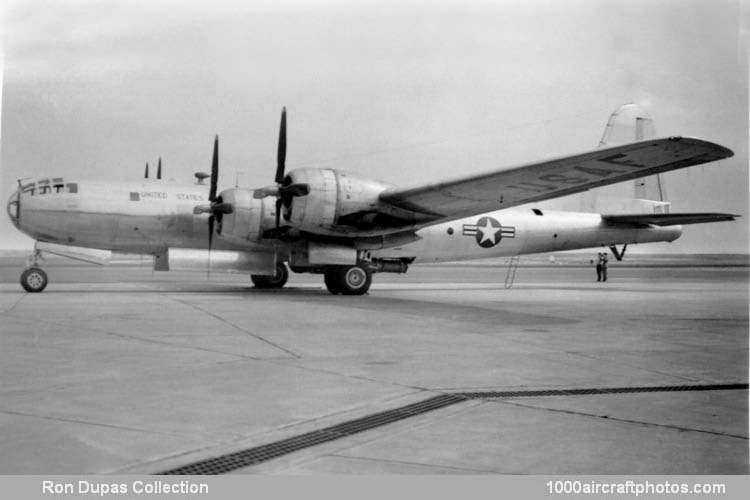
point(631, 123)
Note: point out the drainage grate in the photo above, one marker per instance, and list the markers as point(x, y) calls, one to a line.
point(608, 390)
point(263, 453)
point(252, 456)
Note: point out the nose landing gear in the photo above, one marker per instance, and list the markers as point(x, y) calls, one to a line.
point(33, 279)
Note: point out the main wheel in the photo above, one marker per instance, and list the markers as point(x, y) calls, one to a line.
point(33, 279)
point(331, 279)
point(278, 279)
point(348, 280)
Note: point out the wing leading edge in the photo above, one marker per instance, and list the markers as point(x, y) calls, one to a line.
point(550, 178)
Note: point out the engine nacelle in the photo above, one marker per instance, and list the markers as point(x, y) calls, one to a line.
point(249, 217)
point(338, 203)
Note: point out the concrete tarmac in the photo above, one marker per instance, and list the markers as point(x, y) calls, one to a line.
point(122, 370)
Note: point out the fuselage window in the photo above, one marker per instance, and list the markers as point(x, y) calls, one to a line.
point(72, 187)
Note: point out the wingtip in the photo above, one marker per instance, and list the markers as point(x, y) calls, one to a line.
point(721, 152)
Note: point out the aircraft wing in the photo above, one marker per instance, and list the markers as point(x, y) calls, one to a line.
point(668, 219)
point(549, 179)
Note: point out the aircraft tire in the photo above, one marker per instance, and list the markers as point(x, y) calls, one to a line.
point(331, 279)
point(34, 280)
point(354, 280)
point(278, 280)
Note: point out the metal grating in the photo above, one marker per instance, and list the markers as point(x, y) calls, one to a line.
point(252, 456)
point(607, 390)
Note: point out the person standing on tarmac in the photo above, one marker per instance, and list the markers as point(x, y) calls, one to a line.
point(603, 263)
point(599, 266)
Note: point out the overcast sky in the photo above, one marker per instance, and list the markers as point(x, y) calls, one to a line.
point(400, 91)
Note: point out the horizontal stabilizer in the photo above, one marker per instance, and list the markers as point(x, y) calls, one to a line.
point(668, 219)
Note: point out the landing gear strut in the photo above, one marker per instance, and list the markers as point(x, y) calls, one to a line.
point(348, 280)
point(278, 279)
point(618, 255)
point(33, 279)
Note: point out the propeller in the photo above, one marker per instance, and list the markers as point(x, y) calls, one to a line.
point(212, 195)
point(285, 189)
point(217, 208)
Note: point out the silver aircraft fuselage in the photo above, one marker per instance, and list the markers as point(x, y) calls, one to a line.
point(148, 217)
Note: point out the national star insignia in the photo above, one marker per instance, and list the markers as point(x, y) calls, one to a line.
point(488, 232)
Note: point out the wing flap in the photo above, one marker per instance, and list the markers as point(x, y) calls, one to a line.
point(550, 178)
point(668, 219)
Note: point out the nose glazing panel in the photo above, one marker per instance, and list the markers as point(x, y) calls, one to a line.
point(14, 207)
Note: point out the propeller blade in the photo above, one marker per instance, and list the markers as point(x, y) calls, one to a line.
point(214, 170)
point(158, 170)
point(210, 243)
point(278, 212)
point(210, 235)
point(295, 190)
point(281, 154)
point(146, 175)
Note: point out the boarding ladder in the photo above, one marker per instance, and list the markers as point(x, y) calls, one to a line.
point(510, 277)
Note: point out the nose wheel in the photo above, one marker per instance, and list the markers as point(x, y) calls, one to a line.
point(34, 280)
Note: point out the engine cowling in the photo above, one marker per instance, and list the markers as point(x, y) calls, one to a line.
point(339, 203)
point(249, 216)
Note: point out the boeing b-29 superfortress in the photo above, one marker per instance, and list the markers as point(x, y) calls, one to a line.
point(348, 227)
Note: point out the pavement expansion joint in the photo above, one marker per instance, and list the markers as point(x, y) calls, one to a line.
point(252, 456)
point(631, 421)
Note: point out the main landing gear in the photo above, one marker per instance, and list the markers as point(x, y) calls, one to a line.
point(339, 279)
point(348, 280)
point(344, 280)
point(278, 279)
point(33, 279)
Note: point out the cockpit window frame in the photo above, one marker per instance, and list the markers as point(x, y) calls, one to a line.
point(44, 187)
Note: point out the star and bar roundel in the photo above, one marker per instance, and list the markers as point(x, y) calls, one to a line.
point(488, 232)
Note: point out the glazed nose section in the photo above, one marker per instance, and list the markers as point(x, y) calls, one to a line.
point(14, 207)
